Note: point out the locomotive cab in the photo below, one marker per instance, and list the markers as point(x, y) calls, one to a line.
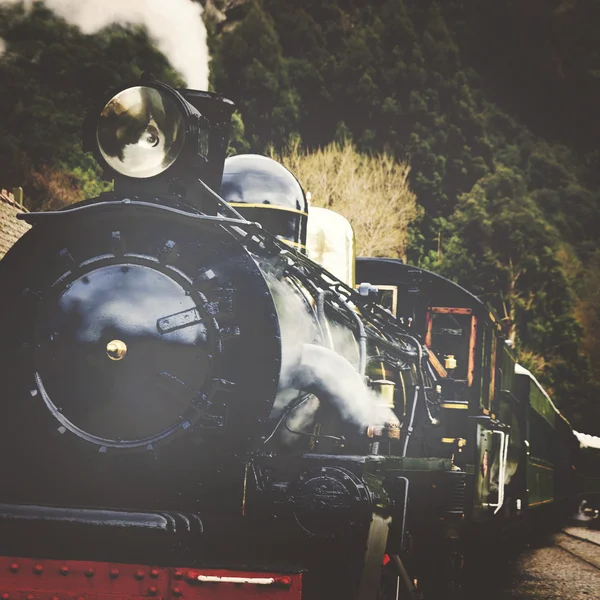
point(474, 372)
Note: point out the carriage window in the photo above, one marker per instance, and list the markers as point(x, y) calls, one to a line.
point(387, 296)
point(449, 336)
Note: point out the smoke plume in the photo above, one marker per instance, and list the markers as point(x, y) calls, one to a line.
point(2, 47)
point(176, 27)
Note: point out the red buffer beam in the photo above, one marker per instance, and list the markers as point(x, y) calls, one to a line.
point(33, 579)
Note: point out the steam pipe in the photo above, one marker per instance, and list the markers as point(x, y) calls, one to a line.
point(403, 574)
point(432, 420)
point(404, 508)
point(321, 315)
point(312, 434)
point(409, 428)
point(287, 411)
point(293, 273)
point(293, 270)
point(220, 200)
point(362, 339)
point(362, 334)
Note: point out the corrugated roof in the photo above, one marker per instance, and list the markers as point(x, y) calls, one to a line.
point(11, 228)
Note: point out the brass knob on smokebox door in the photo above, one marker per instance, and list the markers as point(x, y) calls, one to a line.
point(116, 350)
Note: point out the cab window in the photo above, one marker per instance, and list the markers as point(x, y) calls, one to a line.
point(449, 336)
point(386, 296)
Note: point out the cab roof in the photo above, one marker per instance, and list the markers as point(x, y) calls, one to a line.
point(427, 281)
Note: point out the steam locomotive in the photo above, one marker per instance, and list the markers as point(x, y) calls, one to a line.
point(194, 408)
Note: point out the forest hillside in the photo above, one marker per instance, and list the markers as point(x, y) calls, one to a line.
point(494, 106)
point(486, 112)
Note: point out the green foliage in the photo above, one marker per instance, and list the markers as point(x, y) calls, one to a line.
point(249, 68)
point(500, 203)
point(50, 75)
point(503, 249)
point(237, 136)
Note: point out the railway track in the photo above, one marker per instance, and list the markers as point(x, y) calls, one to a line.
point(576, 543)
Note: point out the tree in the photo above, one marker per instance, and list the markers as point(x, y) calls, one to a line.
point(372, 192)
point(249, 68)
point(502, 247)
point(50, 74)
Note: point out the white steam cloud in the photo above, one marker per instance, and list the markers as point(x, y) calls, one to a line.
point(2, 47)
point(176, 26)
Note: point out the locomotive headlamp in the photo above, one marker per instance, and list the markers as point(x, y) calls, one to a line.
point(141, 131)
point(153, 140)
point(148, 129)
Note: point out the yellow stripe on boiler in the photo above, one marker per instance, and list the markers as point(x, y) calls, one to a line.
point(274, 206)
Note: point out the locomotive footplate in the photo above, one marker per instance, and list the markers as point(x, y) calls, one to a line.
point(34, 579)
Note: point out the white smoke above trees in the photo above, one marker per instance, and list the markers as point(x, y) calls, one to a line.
point(176, 26)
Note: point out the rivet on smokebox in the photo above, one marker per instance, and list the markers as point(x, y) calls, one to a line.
point(139, 574)
point(176, 591)
point(30, 597)
point(5, 596)
point(178, 574)
point(54, 598)
point(154, 573)
point(114, 573)
point(14, 567)
point(89, 572)
point(38, 569)
point(64, 570)
point(152, 590)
